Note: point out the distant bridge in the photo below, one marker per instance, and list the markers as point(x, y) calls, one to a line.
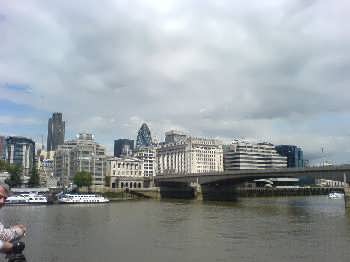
point(222, 185)
point(239, 176)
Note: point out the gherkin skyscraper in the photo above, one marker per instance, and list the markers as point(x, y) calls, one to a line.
point(144, 137)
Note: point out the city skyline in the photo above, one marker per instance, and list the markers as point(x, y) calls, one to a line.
point(269, 72)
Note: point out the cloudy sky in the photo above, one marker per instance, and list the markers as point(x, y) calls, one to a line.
point(274, 70)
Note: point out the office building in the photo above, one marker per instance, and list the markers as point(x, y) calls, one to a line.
point(148, 156)
point(125, 172)
point(144, 137)
point(246, 155)
point(2, 147)
point(21, 151)
point(174, 136)
point(55, 133)
point(293, 153)
point(123, 147)
point(45, 166)
point(81, 154)
point(191, 155)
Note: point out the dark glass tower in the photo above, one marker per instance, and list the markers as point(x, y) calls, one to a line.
point(293, 153)
point(123, 147)
point(144, 137)
point(55, 133)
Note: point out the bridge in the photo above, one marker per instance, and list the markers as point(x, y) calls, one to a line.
point(239, 176)
point(222, 185)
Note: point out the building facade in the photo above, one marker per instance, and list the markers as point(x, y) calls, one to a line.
point(2, 147)
point(174, 136)
point(55, 132)
point(293, 153)
point(125, 172)
point(148, 156)
point(245, 155)
point(63, 162)
point(144, 137)
point(191, 155)
point(82, 154)
point(45, 166)
point(123, 147)
point(21, 151)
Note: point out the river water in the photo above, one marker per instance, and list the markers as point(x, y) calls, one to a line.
point(251, 229)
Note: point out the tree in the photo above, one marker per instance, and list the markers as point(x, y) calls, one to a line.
point(82, 178)
point(15, 176)
point(34, 180)
point(3, 165)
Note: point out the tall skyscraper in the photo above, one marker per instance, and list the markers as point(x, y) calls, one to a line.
point(144, 137)
point(123, 147)
point(55, 133)
point(293, 153)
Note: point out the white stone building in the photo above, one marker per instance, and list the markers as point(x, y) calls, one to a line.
point(148, 156)
point(246, 155)
point(125, 172)
point(45, 166)
point(190, 155)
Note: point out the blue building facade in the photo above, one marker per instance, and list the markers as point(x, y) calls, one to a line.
point(293, 153)
point(144, 137)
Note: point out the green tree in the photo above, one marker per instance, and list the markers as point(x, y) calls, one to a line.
point(82, 178)
point(15, 176)
point(3, 165)
point(34, 180)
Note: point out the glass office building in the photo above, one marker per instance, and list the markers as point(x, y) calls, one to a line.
point(21, 151)
point(293, 153)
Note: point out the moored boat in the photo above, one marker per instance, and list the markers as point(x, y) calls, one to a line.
point(82, 199)
point(26, 199)
point(335, 195)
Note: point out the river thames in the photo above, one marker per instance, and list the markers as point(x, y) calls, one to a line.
point(251, 229)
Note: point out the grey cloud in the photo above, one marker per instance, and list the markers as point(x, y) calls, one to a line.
point(212, 68)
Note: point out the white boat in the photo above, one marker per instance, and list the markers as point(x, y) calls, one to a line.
point(335, 195)
point(82, 198)
point(26, 199)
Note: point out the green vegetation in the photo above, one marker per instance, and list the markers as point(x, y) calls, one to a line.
point(3, 165)
point(82, 179)
point(15, 174)
point(34, 180)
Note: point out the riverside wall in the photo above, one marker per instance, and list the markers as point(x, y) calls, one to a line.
point(301, 191)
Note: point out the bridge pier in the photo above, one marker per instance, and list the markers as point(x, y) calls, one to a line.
point(181, 191)
point(198, 194)
point(347, 196)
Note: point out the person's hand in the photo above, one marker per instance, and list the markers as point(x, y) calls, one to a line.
point(6, 247)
